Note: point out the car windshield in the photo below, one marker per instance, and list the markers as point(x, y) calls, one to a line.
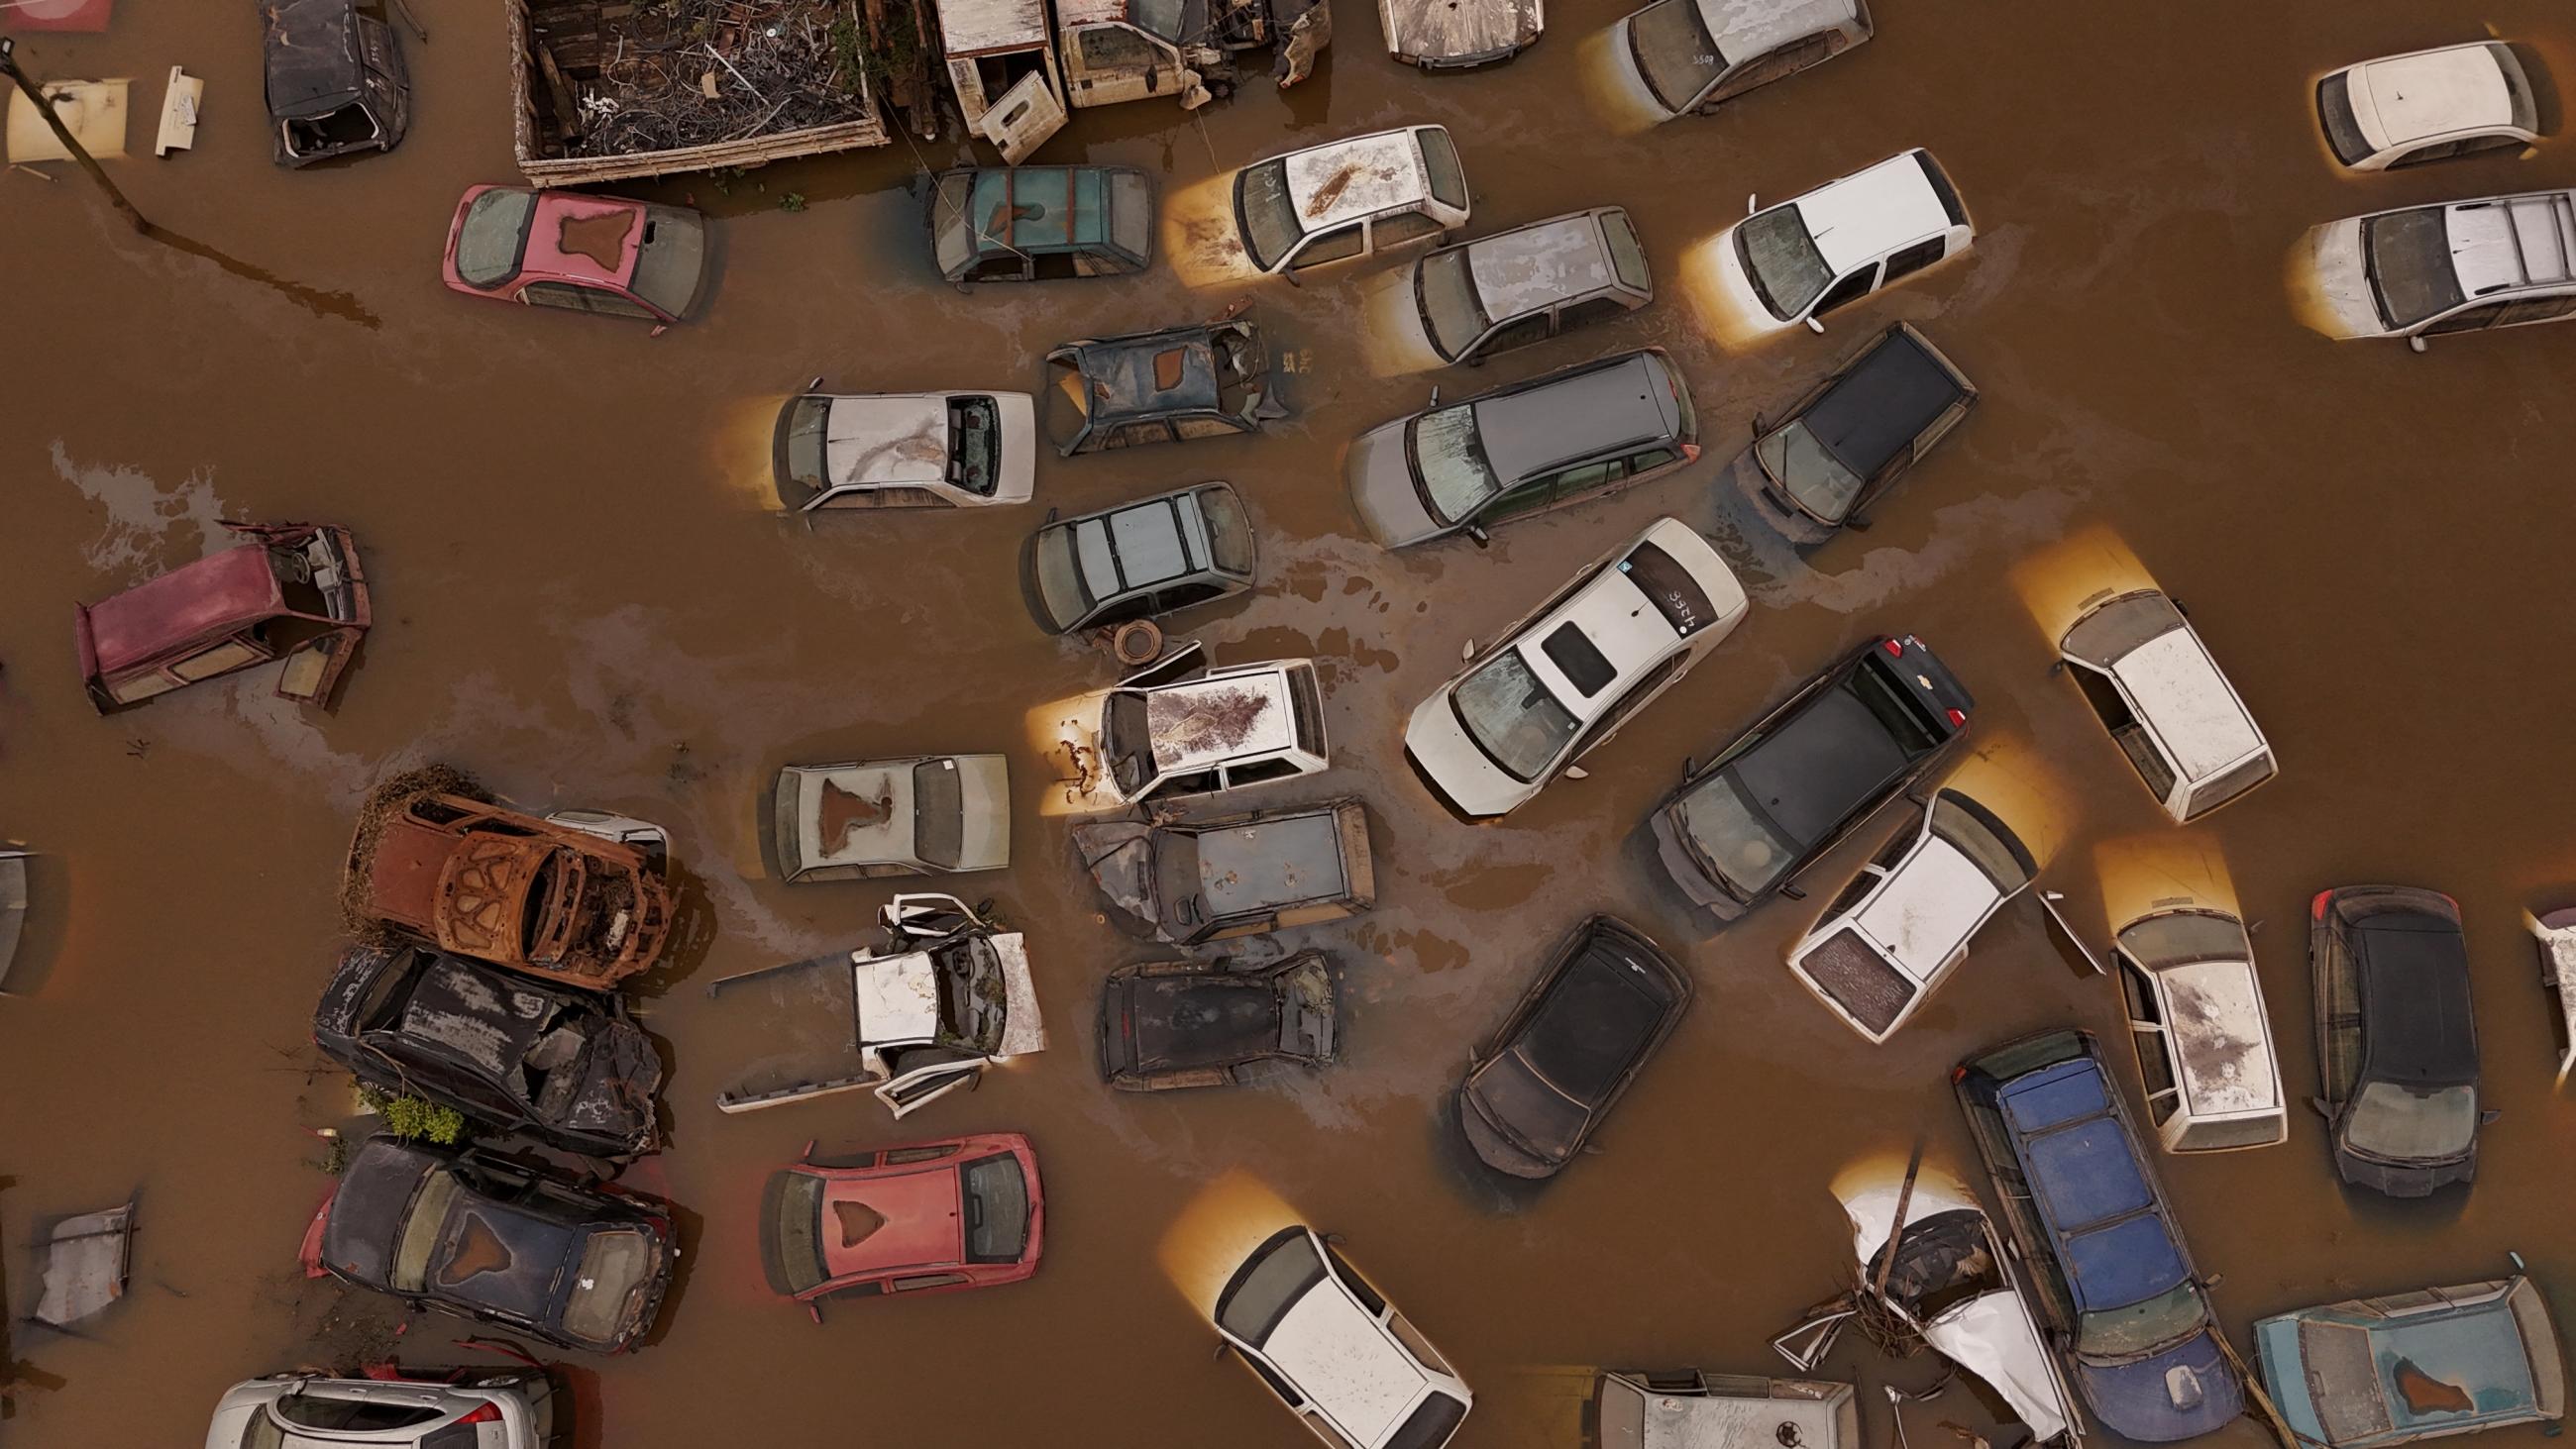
point(1125, 739)
point(2343, 131)
point(2409, 255)
point(1512, 717)
point(800, 1231)
point(997, 1209)
point(1430, 1425)
point(263, 1433)
point(420, 1230)
point(975, 444)
point(1161, 18)
point(495, 235)
point(672, 259)
point(1799, 461)
point(1269, 1286)
point(603, 1287)
point(1449, 462)
point(1265, 214)
point(938, 813)
point(1059, 577)
point(1674, 52)
point(1229, 533)
point(1445, 292)
point(2401, 1124)
point(801, 457)
point(2126, 1332)
point(1732, 838)
point(1781, 260)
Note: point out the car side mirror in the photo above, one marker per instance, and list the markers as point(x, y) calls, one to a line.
point(1752, 202)
point(1435, 395)
point(2488, 1117)
point(2318, 1106)
point(658, 329)
point(2415, 344)
point(1857, 523)
point(816, 385)
point(1793, 893)
point(1815, 326)
point(1478, 536)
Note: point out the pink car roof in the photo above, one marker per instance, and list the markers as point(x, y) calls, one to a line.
point(594, 239)
point(223, 591)
point(874, 1223)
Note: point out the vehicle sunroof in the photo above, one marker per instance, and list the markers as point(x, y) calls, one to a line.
point(1581, 663)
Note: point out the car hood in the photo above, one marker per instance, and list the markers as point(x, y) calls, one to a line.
point(1439, 747)
point(984, 797)
point(1991, 1336)
point(1382, 491)
point(2139, 1400)
point(612, 1098)
point(1088, 787)
point(2340, 283)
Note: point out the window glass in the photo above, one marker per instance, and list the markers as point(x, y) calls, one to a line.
point(2408, 256)
point(1265, 213)
point(2343, 131)
point(1131, 213)
point(1850, 289)
point(1511, 716)
point(2406, 1125)
point(1673, 52)
point(1527, 498)
point(1915, 258)
point(2538, 309)
point(1599, 309)
point(1134, 434)
point(1627, 254)
point(1259, 771)
point(1264, 1292)
point(1449, 460)
point(1650, 460)
point(1440, 165)
point(141, 686)
point(207, 663)
point(2470, 320)
point(1578, 659)
point(927, 1280)
point(2439, 151)
point(1115, 47)
point(1359, 1286)
point(997, 1209)
point(1444, 293)
point(938, 812)
point(1529, 329)
point(494, 237)
point(1732, 839)
point(1395, 231)
point(317, 1411)
point(1638, 692)
point(1190, 428)
point(1229, 532)
point(553, 294)
point(1181, 596)
point(420, 1231)
point(1332, 246)
point(612, 304)
point(2139, 993)
point(1781, 261)
point(1587, 477)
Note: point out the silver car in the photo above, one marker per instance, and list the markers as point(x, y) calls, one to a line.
point(455, 1410)
point(920, 815)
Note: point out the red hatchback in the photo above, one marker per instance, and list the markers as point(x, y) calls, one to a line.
point(962, 1213)
point(583, 253)
point(289, 590)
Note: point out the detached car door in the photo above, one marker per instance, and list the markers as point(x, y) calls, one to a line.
point(908, 1092)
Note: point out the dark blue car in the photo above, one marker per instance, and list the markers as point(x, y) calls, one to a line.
point(2113, 1280)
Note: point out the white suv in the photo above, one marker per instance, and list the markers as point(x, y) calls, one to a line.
point(1352, 1368)
point(1794, 262)
point(1165, 732)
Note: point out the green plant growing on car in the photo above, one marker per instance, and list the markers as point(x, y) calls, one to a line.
point(412, 1118)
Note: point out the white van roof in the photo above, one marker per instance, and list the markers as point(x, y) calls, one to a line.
point(1344, 1360)
point(1928, 909)
point(1857, 218)
point(2188, 704)
point(1343, 181)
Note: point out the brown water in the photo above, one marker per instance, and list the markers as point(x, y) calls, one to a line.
point(580, 601)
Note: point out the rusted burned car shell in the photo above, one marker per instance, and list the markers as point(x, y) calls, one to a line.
point(1171, 1024)
point(477, 880)
point(1158, 387)
point(336, 82)
point(565, 1067)
point(218, 614)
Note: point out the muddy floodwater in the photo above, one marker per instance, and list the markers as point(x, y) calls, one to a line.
point(581, 600)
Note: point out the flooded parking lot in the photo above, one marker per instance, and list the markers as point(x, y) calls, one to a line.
point(582, 598)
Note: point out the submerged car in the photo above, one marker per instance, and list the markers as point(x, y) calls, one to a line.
point(1177, 728)
point(396, 1409)
point(904, 450)
point(13, 908)
point(1537, 1090)
point(1154, 556)
point(1839, 449)
point(2115, 1284)
point(918, 815)
point(288, 590)
point(1563, 680)
point(1041, 223)
point(1192, 881)
point(2397, 1042)
point(1475, 299)
point(2460, 266)
point(1798, 260)
point(1693, 56)
point(1904, 923)
point(1327, 1343)
point(1689, 1409)
point(1459, 34)
point(2556, 933)
point(335, 80)
point(558, 898)
point(1159, 387)
point(967, 1212)
point(1166, 1025)
point(2370, 1372)
point(1578, 433)
point(2427, 105)
point(565, 1067)
point(484, 1237)
point(1811, 771)
point(2204, 1041)
point(1354, 197)
point(579, 252)
point(2155, 687)
point(948, 997)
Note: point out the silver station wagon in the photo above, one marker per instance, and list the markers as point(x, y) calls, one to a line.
point(1477, 298)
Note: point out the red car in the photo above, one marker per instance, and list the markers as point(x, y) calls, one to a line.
point(963, 1213)
point(291, 591)
point(579, 252)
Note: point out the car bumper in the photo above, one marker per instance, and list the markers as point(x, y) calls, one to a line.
point(1684, 868)
point(2403, 1180)
point(2136, 1400)
point(1496, 1150)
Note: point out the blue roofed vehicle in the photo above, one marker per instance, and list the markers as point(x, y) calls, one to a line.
point(2112, 1279)
point(2368, 1372)
point(1041, 223)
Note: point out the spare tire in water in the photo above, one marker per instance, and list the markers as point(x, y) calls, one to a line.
point(1138, 641)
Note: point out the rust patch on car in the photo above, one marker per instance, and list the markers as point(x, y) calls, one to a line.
point(844, 812)
point(857, 1222)
point(600, 236)
point(479, 1250)
point(1167, 368)
point(2425, 1394)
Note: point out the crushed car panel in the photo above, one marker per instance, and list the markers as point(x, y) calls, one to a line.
point(87, 1260)
point(289, 590)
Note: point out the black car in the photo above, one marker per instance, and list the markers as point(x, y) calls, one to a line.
point(1841, 447)
point(1535, 1093)
point(1809, 772)
point(1167, 1024)
point(2396, 1043)
point(484, 1237)
point(565, 1067)
point(1153, 556)
point(336, 82)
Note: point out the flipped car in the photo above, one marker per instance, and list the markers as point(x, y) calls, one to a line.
point(1537, 1090)
point(578, 252)
point(965, 1212)
point(2206, 1067)
point(2110, 1276)
point(561, 899)
point(1041, 223)
point(1158, 387)
point(1166, 1025)
point(904, 450)
point(335, 80)
point(1690, 57)
point(1798, 260)
point(918, 815)
point(1357, 196)
point(1139, 560)
point(563, 1066)
point(1475, 299)
point(2370, 1372)
point(2397, 1040)
point(1840, 448)
point(1192, 881)
point(2152, 683)
point(1803, 776)
point(1690, 1409)
point(2457, 266)
point(949, 996)
point(394, 1408)
point(1327, 1343)
point(2427, 105)
point(484, 1237)
point(1178, 728)
point(288, 590)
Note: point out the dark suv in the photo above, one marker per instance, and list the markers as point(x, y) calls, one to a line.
point(2395, 1039)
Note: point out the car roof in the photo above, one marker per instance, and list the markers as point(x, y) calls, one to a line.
point(569, 231)
point(1148, 374)
point(2090, 1184)
point(1344, 180)
point(1534, 266)
point(1338, 1354)
point(1923, 912)
point(902, 1217)
point(897, 997)
point(1207, 1015)
point(1585, 1034)
point(1041, 208)
point(2413, 972)
point(2477, 1346)
point(1746, 29)
point(871, 802)
point(1882, 402)
point(2404, 98)
point(2182, 697)
point(1854, 219)
point(1755, 1416)
point(878, 439)
point(1140, 544)
point(1280, 859)
point(502, 1255)
point(2215, 1020)
point(1618, 620)
point(1819, 763)
point(1526, 429)
point(1200, 722)
point(479, 1015)
point(2505, 243)
point(219, 592)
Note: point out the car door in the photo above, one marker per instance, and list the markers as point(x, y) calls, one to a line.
point(907, 1092)
point(1022, 120)
point(1325, 247)
point(2159, 1075)
point(1851, 288)
point(1647, 686)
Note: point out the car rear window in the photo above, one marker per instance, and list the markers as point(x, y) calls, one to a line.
point(1429, 1425)
point(1440, 167)
point(323, 1411)
point(938, 812)
point(997, 1209)
point(800, 1224)
point(2343, 131)
point(1269, 1286)
point(1670, 588)
point(1627, 257)
point(1229, 533)
point(1579, 659)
